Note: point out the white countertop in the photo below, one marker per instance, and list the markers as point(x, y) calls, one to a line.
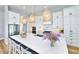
point(42, 46)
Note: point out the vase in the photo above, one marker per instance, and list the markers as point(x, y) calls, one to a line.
point(23, 35)
point(52, 43)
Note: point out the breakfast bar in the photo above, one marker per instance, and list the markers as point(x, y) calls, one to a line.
point(41, 46)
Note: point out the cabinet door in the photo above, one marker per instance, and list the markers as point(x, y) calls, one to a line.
point(67, 26)
point(75, 40)
point(75, 24)
point(10, 17)
point(73, 9)
point(60, 19)
point(39, 24)
point(71, 22)
point(68, 40)
point(57, 20)
point(28, 27)
point(71, 18)
point(17, 18)
point(13, 17)
point(25, 28)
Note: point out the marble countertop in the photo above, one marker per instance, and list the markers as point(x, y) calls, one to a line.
point(42, 46)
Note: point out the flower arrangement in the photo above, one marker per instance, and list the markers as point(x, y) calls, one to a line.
point(52, 36)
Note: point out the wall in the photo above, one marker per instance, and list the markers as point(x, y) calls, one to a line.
point(1, 22)
point(6, 24)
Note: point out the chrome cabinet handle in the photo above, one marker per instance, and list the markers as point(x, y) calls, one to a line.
point(71, 36)
point(70, 13)
point(70, 39)
point(71, 31)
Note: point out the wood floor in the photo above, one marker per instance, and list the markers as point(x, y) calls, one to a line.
point(3, 47)
point(73, 50)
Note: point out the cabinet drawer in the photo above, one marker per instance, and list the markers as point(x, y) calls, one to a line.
point(74, 40)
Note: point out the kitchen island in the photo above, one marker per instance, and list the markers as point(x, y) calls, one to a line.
point(41, 46)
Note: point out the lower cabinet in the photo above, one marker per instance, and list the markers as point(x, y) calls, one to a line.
point(16, 47)
point(72, 40)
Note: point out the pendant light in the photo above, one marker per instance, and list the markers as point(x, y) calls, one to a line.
point(23, 20)
point(47, 14)
point(32, 16)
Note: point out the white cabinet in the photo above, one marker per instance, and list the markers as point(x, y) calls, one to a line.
point(28, 27)
point(57, 20)
point(13, 17)
point(73, 9)
point(71, 25)
point(67, 25)
point(39, 24)
point(75, 24)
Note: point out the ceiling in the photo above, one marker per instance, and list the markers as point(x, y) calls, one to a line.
point(38, 9)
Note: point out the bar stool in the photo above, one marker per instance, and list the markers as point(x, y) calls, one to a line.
point(10, 46)
point(13, 46)
point(17, 48)
point(24, 50)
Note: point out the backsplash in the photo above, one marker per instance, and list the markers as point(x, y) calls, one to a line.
point(48, 27)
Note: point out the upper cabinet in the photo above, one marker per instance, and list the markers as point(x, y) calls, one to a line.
point(58, 20)
point(13, 17)
point(39, 24)
point(71, 19)
point(71, 11)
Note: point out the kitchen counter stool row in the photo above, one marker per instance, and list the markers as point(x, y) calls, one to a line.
point(16, 47)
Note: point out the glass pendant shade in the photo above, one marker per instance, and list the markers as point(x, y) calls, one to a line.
point(32, 18)
point(23, 20)
point(47, 14)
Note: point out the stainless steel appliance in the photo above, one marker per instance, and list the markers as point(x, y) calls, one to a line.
point(34, 30)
